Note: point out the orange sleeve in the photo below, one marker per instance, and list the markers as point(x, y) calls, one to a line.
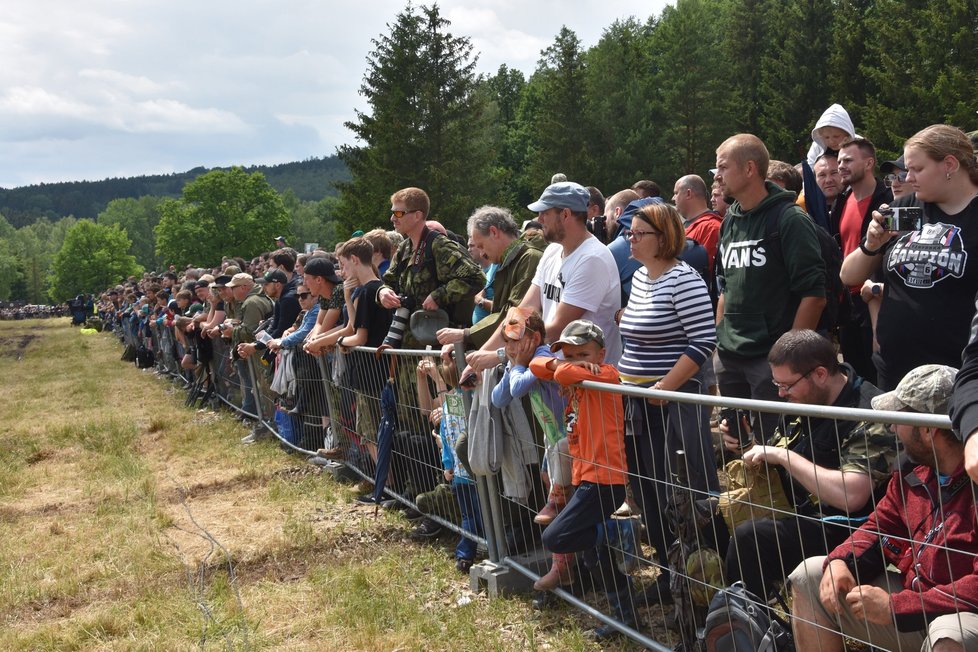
point(538, 366)
point(568, 374)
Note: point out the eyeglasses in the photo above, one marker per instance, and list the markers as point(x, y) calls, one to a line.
point(400, 214)
point(890, 179)
point(303, 295)
point(638, 235)
point(786, 388)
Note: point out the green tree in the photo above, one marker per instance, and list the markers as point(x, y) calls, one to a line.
point(557, 136)
point(138, 218)
point(503, 94)
point(11, 276)
point(425, 126)
point(229, 213)
point(618, 108)
point(312, 221)
point(92, 258)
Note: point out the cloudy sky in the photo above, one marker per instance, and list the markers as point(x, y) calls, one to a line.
point(115, 88)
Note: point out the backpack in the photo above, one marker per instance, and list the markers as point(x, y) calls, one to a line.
point(458, 313)
point(739, 621)
point(144, 357)
point(695, 255)
point(836, 293)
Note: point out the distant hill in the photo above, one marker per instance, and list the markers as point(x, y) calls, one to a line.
point(310, 180)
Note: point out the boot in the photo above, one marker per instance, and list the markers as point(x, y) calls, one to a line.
point(623, 541)
point(623, 610)
point(560, 573)
point(556, 502)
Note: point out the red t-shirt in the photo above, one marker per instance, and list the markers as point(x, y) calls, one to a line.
point(851, 227)
point(851, 224)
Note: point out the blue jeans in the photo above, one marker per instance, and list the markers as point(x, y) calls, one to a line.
point(468, 504)
point(247, 393)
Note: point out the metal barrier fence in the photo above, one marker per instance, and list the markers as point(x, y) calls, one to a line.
point(645, 561)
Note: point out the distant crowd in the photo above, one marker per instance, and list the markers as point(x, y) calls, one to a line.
point(841, 281)
point(32, 311)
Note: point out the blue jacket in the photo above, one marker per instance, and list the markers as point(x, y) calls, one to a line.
point(622, 251)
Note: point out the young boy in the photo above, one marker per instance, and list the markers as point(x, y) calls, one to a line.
point(595, 436)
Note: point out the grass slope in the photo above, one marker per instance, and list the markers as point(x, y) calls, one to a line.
point(129, 522)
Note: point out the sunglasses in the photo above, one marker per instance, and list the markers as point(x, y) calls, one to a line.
point(303, 295)
point(400, 214)
point(890, 179)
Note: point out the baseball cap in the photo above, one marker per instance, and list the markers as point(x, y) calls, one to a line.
point(241, 279)
point(275, 276)
point(579, 331)
point(221, 281)
point(565, 194)
point(925, 389)
point(323, 268)
point(889, 166)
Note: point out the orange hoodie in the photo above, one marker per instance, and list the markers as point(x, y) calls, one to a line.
point(595, 423)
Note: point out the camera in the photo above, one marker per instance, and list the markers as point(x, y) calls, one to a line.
point(598, 227)
point(903, 218)
point(738, 421)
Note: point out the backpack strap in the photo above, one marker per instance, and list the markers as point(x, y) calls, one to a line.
point(772, 228)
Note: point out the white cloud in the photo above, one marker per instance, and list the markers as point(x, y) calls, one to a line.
point(108, 88)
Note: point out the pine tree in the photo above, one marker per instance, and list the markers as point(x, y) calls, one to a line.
point(425, 127)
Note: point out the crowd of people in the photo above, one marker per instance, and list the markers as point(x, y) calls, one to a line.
point(32, 311)
point(820, 283)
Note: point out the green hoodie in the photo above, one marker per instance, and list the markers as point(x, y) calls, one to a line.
point(762, 292)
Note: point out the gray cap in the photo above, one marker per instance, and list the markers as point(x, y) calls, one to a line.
point(579, 331)
point(926, 389)
point(565, 194)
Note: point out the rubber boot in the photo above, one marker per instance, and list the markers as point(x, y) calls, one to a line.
point(556, 502)
point(561, 573)
point(623, 610)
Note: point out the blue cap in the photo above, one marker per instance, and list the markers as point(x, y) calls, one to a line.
point(565, 194)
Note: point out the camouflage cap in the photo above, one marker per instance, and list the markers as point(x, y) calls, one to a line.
point(579, 331)
point(926, 389)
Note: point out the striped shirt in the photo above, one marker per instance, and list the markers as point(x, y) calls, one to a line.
point(664, 319)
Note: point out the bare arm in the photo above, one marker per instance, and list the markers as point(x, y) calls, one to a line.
point(845, 490)
point(808, 313)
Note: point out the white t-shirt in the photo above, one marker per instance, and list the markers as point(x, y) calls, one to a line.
point(587, 279)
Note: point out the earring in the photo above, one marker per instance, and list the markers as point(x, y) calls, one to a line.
point(948, 176)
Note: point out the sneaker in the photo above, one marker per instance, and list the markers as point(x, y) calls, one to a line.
point(463, 565)
point(427, 529)
point(412, 514)
point(366, 499)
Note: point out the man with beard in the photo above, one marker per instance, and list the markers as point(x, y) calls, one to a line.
point(849, 220)
point(828, 469)
point(577, 277)
point(924, 527)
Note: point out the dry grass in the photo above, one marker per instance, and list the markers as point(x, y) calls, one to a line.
point(131, 522)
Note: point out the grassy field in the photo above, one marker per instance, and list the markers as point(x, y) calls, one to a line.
point(128, 521)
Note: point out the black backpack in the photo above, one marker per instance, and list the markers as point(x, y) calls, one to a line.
point(836, 293)
point(739, 621)
point(145, 357)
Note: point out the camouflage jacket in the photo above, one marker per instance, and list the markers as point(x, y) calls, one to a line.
point(845, 445)
point(445, 270)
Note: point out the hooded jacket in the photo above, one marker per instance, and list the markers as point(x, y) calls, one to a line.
point(834, 116)
point(622, 250)
point(762, 292)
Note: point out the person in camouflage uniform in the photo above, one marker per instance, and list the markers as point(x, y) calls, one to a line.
point(830, 470)
point(430, 271)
